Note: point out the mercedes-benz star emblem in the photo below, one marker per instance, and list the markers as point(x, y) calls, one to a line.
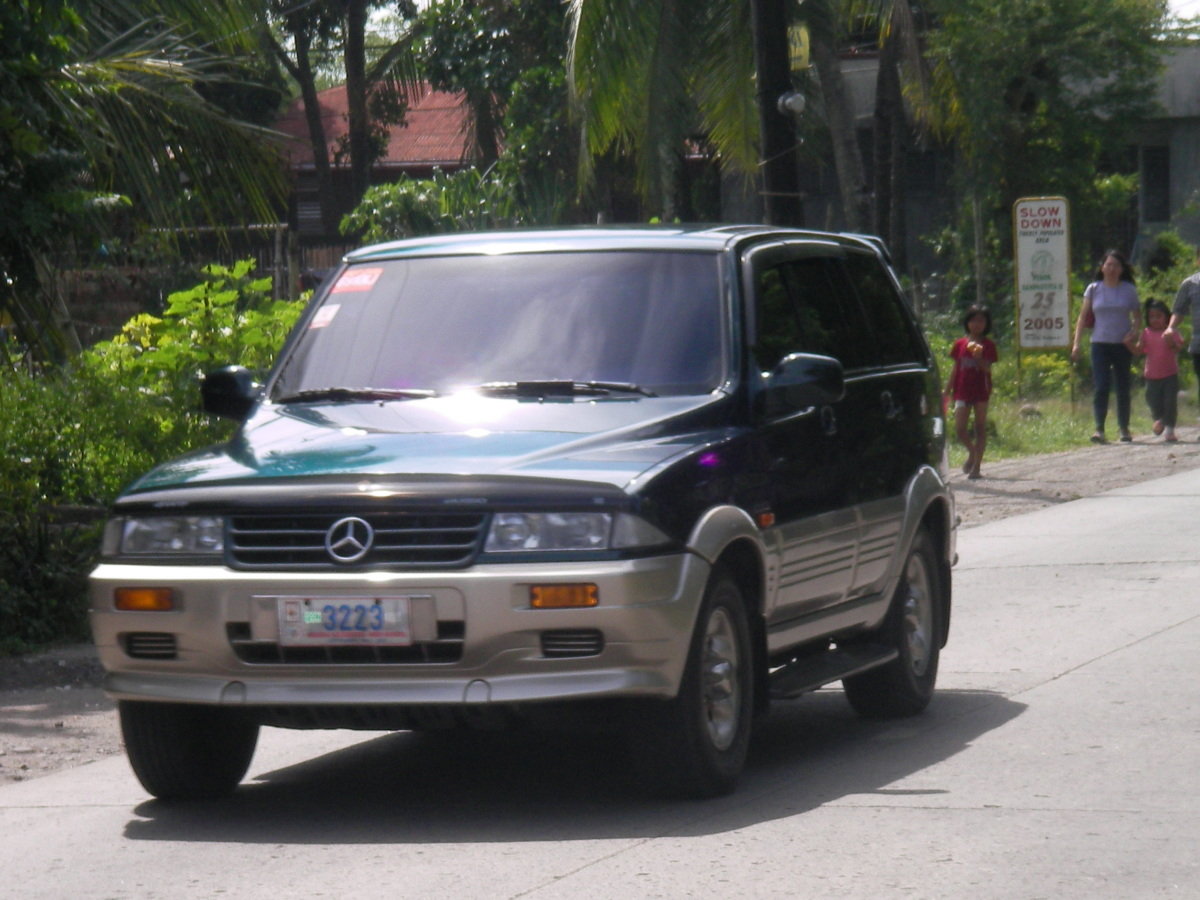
point(349, 540)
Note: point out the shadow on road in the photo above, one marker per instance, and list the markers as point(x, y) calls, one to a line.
point(537, 786)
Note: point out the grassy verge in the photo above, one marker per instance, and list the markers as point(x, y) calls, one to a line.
point(1050, 425)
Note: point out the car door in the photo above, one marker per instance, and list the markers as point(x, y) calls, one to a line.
point(803, 476)
point(893, 389)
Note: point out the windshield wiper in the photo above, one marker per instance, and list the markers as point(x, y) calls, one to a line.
point(367, 393)
point(563, 388)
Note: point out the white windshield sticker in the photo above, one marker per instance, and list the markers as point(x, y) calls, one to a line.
point(324, 315)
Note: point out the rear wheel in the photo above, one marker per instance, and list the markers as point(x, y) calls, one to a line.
point(186, 752)
point(905, 686)
point(695, 745)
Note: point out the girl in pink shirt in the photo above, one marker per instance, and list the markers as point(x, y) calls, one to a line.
point(1162, 368)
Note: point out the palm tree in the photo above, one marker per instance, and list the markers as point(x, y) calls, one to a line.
point(647, 74)
point(902, 70)
point(105, 107)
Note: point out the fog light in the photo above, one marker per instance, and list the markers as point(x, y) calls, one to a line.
point(144, 599)
point(563, 596)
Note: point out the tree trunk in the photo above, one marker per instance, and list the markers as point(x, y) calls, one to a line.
point(847, 157)
point(357, 89)
point(301, 69)
point(487, 141)
point(979, 245)
point(885, 117)
point(777, 137)
point(62, 325)
point(888, 164)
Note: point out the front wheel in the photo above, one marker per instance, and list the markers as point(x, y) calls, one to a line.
point(695, 745)
point(905, 686)
point(182, 751)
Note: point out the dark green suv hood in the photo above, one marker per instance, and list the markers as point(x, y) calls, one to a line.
point(607, 440)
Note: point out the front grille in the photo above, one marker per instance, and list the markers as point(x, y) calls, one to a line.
point(447, 647)
point(570, 643)
point(401, 539)
point(149, 645)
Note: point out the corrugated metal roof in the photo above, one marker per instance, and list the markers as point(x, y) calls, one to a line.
point(436, 130)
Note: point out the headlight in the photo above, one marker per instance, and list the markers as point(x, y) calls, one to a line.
point(533, 532)
point(155, 535)
point(518, 532)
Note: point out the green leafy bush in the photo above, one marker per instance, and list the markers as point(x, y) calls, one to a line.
point(463, 201)
point(73, 437)
point(1045, 375)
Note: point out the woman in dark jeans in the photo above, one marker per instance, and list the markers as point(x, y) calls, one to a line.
point(1111, 303)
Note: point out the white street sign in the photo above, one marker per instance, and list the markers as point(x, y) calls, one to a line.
point(1041, 248)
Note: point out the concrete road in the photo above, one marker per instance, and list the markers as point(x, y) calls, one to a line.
point(1061, 759)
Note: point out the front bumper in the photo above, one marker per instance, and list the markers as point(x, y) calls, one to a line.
point(215, 647)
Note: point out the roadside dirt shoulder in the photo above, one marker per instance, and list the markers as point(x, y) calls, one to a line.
point(53, 714)
point(1010, 487)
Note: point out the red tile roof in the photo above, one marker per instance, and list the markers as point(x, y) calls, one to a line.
point(435, 130)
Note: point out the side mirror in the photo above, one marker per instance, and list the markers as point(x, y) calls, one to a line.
point(801, 380)
point(230, 392)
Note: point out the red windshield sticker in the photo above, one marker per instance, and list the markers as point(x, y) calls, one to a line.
point(324, 315)
point(356, 280)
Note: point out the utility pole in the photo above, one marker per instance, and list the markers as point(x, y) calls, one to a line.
point(777, 137)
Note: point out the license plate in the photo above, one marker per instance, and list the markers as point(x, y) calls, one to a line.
point(313, 621)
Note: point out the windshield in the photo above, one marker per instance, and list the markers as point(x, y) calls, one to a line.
point(440, 324)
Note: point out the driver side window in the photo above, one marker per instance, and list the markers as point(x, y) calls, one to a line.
point(802, 308)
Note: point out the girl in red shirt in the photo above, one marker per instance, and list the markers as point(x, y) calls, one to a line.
point(970, 384)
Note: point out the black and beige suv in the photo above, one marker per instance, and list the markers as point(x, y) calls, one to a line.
point(662, 475)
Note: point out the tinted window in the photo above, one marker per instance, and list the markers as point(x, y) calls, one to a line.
point(895, 339)
point(441, 323)
point(805, 305)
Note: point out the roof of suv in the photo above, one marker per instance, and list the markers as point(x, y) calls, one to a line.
point(706, 237)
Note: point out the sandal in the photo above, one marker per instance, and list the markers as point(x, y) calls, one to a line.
point(1098, 438)
point(1126, 437)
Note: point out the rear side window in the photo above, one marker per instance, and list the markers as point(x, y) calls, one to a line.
point(895, 336)
point(806, 305)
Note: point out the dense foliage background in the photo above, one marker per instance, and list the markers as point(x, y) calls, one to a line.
point(75, 435)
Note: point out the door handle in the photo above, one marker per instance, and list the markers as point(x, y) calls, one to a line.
point(828, 421)
point(891, 409)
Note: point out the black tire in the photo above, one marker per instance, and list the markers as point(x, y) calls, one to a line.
point(695, 745)
point(905, 686)
point(186, 752)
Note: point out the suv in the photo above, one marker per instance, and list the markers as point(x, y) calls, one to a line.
point(660, 475)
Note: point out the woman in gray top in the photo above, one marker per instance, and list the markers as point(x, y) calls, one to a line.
point(1111, 301)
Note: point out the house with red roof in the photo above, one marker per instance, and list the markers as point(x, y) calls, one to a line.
point(436, 134)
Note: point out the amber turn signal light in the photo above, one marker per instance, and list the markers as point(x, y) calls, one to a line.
point(144, 599)
point(563, 596)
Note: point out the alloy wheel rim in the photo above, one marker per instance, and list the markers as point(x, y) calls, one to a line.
point(918, 614)
point(721, 688)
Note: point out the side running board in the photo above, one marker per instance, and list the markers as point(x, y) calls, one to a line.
point(801, 676)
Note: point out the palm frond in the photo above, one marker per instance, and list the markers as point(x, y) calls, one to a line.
point(725, 85)
point(646, 74)
point(132, 105)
